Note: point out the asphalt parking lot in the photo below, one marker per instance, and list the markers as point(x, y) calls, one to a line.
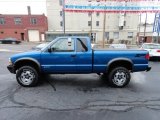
point(80, 97)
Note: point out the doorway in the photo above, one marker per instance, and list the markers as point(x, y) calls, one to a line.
point(22, 36)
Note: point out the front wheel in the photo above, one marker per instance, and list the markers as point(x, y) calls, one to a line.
point(27, 76)
point(119, 77)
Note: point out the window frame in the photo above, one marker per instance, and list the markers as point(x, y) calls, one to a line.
point(107, 35)
point(129, 35)
point(97, 14)
point(116, 36)
point(89, 14)
point(61, 13)
point(17, 20)
point(60, 2)
point(2, 20)
point(89, 23)
point(84, 44)
point(97, 23)
point(33, 21)
point(61, 23)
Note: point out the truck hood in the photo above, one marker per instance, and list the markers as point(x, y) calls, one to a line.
point(31, 54)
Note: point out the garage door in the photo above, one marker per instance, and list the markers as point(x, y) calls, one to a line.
point(33, 35)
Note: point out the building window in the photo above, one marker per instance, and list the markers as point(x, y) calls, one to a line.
point(97, 23)
point(116, 35)
point(124, 23)
point(15, 32)
point(89, 23)
point(2, 21)
point(107, 35)
point(61, 13)
point(17, 20)
point(97, 14)
point(89, 14)
point(60, 2)
point(33, 21)
point(61, 23)
point(130, 34)
point(2, 32)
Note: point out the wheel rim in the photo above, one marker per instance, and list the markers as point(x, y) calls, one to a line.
point(119, 78)
point(27, 77)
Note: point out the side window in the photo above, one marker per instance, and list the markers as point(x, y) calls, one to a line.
point(63, 45)
point(81, 45)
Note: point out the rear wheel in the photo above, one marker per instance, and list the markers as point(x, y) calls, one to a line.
point(119, 77)
point(27, 76)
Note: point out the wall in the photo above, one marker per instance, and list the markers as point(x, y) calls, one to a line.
point(10, 29)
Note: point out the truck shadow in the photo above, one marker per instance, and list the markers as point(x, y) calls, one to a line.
point(154, 59)
point(76, 80)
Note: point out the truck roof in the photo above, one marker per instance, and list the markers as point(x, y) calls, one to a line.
point(73, 37)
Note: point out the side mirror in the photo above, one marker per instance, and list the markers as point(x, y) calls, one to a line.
point(49, 50)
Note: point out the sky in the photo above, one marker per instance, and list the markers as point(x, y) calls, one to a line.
point(20, 6)
point(37, 7)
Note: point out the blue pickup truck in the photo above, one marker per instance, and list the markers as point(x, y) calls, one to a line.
point(74, 55)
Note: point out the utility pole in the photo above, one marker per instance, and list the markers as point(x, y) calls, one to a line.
point(145, 24)
point(90, 14)
point(91, 25)
point(139, 30)
point(104, 27)
point(64, 22)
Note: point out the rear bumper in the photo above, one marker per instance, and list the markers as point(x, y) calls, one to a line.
point(148, 69)
point(11, 69)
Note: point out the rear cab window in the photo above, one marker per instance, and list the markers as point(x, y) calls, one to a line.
point(81, 45)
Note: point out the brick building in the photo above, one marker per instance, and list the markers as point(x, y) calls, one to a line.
point(23, 27)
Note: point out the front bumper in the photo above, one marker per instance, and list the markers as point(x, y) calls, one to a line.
point(148, 69)
point(11, 69)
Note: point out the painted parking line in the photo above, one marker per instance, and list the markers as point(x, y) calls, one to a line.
point(6, 50)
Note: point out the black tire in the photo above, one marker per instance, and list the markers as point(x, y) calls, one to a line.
point(119, 77)
point(27, 76)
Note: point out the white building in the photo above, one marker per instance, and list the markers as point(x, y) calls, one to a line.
point(118, 26)
point(147, 35)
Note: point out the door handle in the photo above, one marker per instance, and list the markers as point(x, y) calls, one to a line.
point(73, 55)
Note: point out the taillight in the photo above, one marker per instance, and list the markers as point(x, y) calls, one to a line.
point(147, 56)
point(158, 50)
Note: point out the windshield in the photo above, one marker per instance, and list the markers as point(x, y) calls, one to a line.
point(151, 46)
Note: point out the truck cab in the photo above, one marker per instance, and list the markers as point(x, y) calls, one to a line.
point(68, 55)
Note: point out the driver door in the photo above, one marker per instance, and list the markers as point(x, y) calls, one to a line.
point(61, 58)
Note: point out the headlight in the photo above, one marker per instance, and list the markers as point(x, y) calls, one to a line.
point(10, 62)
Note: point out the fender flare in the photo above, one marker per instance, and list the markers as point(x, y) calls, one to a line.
point(29, 59)
point(119, 59)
